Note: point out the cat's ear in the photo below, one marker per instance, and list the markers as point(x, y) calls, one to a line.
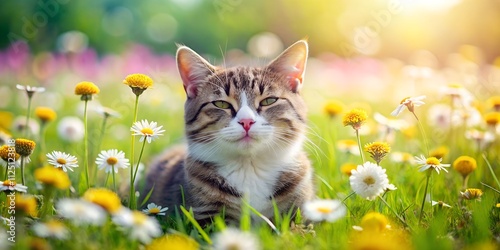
point(193, 69)
point(292, 64)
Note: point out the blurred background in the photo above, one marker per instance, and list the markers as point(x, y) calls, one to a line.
point(386, 28)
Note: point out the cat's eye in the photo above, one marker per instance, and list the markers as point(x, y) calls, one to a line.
point(222, 104)
point(268, 101)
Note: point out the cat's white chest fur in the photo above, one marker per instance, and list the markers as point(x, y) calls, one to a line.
point(254, 179)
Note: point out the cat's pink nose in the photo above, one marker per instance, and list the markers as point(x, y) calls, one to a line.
point(246, 123)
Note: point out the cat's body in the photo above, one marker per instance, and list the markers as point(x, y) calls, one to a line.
point(245, 128)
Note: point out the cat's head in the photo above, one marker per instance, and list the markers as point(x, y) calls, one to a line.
point(233, 112)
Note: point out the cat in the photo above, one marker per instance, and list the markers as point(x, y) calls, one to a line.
point(245, 128)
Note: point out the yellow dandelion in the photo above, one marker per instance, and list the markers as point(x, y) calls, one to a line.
point(379, 241)
point(39, 244)
point(24, 147)
point(465, 165)
point(173, 241)
point(498, 205)
point(377, 150)
point(86, 90)
point(333, 108)
point(45, 114)
point(439, 152)
point(492, 118)
point(138, 83)
point(375, 222)
point(52, 177)
point(346, 168)
point(6, 153)
point(26, 204)
point(355, 118)
point(494, 102)
point(105, 198)
point(472, 193)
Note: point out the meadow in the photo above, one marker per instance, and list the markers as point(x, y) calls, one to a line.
point(440, 153)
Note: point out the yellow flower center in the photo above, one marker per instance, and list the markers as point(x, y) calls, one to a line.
point(10, 183)
point(369, 180)
point(86, 88)
point(324, 210)
point(112, 160)
point(404, 100)
point(147, 131)
point(61, 161)
point(154, 210)
point(433, 161)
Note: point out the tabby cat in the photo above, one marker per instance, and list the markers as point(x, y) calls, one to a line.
point(245, 128)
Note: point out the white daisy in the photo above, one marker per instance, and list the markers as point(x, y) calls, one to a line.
point(12, 186)
point(348, 146)
point(324, 210)
point(369, 180)
point(110, 159)
point(19, 125)
point(62, 160)
point(234, 239)
point(147, 130)
point(439, 204)
point(107, 112)
point(29, 89)
point(410, 103)
point(431, 162)
point(81, 212)
point(71, 129)
point(390, 124)
point(139, 226)
point(402, 157)
point(51, 229)
point(154, 209)
point(4, 239)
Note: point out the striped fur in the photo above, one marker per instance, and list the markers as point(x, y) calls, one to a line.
point(246, 150)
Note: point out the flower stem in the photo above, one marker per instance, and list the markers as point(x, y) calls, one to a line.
point(27, 127)
point(22, 170)
point(86, 147)
point(491, 170)
point(359, 146)
point(101, 136)
point(425, 194)
point(114, 182)
point(132, 185)
point(132, 145)
point(422, 131)
point(394, 212)
point(41, 156)
point(466, 180)
point(47, 201)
